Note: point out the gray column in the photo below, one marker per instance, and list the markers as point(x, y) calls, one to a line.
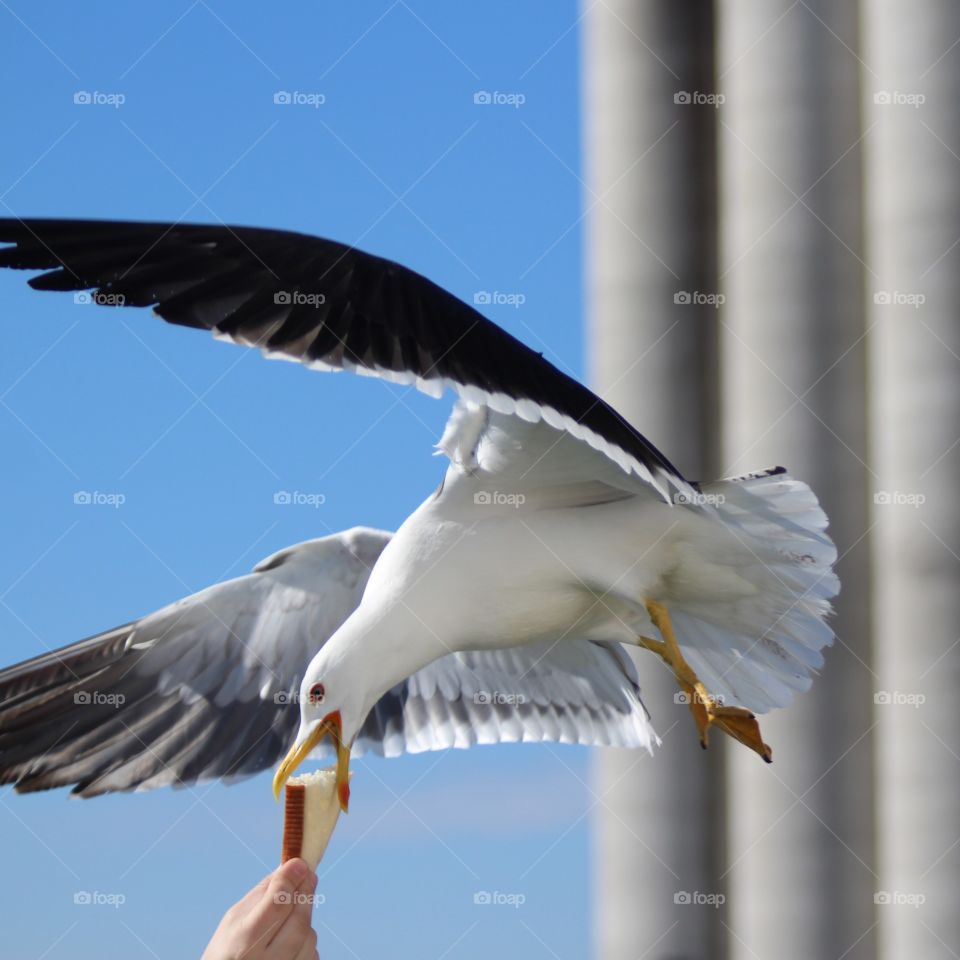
point(912, 110)
point(801, 866)
point(650, 158)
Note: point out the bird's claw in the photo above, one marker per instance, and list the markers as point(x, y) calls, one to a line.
point(707, 710)
point(735, 722)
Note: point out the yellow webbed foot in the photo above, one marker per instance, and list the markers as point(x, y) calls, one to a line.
point(707, 712)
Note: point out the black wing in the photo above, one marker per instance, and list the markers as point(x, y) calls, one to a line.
point(325, 304)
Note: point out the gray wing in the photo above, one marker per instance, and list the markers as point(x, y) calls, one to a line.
point(205, 689)
point(571, 691)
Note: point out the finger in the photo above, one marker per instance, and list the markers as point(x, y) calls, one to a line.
point(309, 950)
point(300, 943)
point(296, 929)
point(276, 903)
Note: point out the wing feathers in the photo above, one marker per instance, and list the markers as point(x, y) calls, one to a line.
point(572, 692)
point(201, 689)
point(338, 308)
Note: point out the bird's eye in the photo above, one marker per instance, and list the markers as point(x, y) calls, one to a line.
point(317, 693)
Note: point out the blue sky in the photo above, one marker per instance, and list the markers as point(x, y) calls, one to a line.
point(197, 436)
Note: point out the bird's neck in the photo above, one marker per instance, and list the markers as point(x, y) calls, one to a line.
point(377, 648)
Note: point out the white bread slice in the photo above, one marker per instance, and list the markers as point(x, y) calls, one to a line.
point(311, 808)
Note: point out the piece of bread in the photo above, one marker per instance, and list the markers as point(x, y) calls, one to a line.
point(311, 808)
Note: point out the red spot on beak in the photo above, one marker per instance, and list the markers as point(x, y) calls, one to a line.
point(334, 723)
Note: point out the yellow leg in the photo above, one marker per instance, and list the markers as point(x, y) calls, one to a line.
point(707, 712)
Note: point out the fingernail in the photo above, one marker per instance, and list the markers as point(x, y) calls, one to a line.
point(297, 870)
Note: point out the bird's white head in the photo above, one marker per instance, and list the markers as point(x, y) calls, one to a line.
point(326, 710)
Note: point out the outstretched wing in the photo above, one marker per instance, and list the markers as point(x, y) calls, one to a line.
point(572, 691)
point(207, 687)
point(325, 304)
point(204, 688)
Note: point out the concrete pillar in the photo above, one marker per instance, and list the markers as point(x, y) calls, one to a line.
point(801, 868)
point(650, 160)
point(912, 151)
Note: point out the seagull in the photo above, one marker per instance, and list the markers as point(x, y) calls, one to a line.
point(207, 687)
point(556, 524)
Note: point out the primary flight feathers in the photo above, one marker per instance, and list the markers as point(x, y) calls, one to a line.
point(325, 304)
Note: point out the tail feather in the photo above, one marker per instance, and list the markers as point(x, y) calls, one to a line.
point(762, 649)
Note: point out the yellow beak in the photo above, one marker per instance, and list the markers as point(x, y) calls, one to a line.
point(330, 726)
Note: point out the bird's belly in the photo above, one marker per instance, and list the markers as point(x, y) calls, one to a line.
point(472, 580)
point(539, 575)
point(529, 612)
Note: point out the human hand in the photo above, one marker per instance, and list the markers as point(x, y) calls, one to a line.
point(272, 922)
